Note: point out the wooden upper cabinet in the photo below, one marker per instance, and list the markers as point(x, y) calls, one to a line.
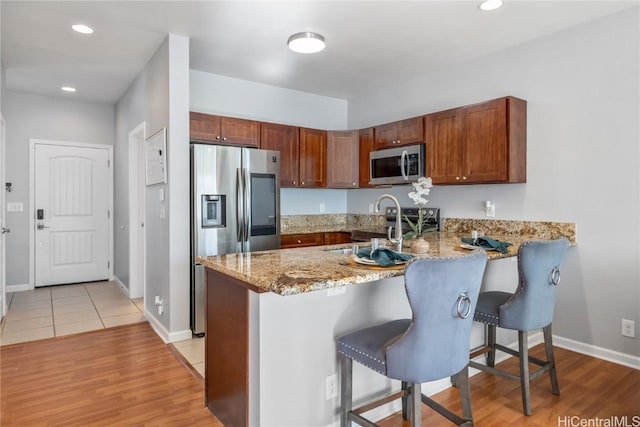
point(284, 139)
point(342, 159)
point(403, 132)
point(443, 132)
point(203, 127)
point(366, 147)
point(209, 128)
point(481, 143)
point(313, 157)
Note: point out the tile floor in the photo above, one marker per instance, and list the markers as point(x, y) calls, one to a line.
point(193, 351)
point(69, 309)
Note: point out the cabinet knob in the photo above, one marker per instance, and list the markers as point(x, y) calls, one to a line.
point(294, 183)
point(464, 178)
point(299, 241)
point(301, 182)
point(224, 139)
point(353, 183)
point(398, 142)
point(457, 178)
point(217, 136)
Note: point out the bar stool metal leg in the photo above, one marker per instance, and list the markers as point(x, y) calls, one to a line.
point(346, 371)
point(524, 371)
point(406, 401)
point(416, 405)
point(465, 393)
point(548, 347)
point(491, 343)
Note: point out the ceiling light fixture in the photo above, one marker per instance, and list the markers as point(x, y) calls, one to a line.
point(490, 5)
point(81, 28)
point(68, 89)
point(306, 42)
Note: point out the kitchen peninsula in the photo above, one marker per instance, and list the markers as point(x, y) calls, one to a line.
point(273, 318)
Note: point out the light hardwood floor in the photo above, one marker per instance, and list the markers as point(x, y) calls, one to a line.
point(128, 376)
point(113, 377)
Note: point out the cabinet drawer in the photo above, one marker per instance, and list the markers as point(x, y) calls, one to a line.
point(301, 240)
point(337, 237)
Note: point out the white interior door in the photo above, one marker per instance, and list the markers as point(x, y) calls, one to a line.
point(137, 256)
point(3, 229)
point(72, 202)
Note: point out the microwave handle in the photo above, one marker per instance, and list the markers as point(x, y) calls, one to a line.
point(403, 170)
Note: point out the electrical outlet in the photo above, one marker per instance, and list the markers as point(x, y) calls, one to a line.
point(370, 207)
point(322, 207)
point(628, 328)
point(331, 386)
point(490, 209)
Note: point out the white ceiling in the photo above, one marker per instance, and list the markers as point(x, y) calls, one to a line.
point(369, 43)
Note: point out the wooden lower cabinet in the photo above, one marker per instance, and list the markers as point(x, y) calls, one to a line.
point(314, 239)
point(337, 237)
point(301, 240)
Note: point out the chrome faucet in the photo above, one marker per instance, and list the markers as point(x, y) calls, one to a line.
point(398, 239)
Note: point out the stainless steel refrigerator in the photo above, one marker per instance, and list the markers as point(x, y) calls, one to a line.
point(235, 207)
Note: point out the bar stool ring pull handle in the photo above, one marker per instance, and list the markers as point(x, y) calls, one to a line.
point(463, 301)
point(555, 276)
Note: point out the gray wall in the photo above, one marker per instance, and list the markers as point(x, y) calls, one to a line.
point(160, 100)
point(41, 117)
point(583, 159)
point(215, 94)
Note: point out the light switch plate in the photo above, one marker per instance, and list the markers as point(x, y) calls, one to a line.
point(15, 207)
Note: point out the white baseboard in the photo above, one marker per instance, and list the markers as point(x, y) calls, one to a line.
point(598, 352)
point(19, 288)
point(121, 285)
point(163, 333)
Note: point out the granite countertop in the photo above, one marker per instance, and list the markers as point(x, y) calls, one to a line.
point(299, 270)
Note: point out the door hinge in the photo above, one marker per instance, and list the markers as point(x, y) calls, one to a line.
point(108, 264)
point(108, 214)
point(108, 163)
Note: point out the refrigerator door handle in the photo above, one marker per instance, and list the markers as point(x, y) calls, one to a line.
point(239, 210)
point(245, 175)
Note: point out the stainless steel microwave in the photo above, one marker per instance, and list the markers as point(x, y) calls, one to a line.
point(401, 165)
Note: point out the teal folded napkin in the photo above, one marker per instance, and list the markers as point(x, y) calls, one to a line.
point(383, 256)
point(488, 243)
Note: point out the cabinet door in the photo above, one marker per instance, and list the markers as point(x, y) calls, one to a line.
point(342, 159)
point(204, 127)
point(239, 131)
point(484, 157)
point(301, 240)
point(366, 146)
point(443, 131)
point(410, 131)
point(386, 135)
point(284, 139)
point(313, 155)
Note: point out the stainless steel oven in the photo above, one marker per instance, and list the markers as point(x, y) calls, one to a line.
point(402, 165)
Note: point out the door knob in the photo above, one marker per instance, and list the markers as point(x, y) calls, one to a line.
point(41, 226)
point(6, 230)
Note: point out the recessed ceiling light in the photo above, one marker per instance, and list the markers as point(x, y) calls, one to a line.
point(68, 89)
point(490, 5)
point(81, 28)
point(306, 42)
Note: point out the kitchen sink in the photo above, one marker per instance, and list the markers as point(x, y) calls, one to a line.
point(343, 251)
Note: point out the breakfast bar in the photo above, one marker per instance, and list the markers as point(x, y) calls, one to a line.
point(273, 318)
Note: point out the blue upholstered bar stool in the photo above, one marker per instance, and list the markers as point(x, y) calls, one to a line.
point(529, 308)
point(434, 344)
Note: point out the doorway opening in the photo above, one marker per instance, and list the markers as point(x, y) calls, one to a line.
point(137, 246)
